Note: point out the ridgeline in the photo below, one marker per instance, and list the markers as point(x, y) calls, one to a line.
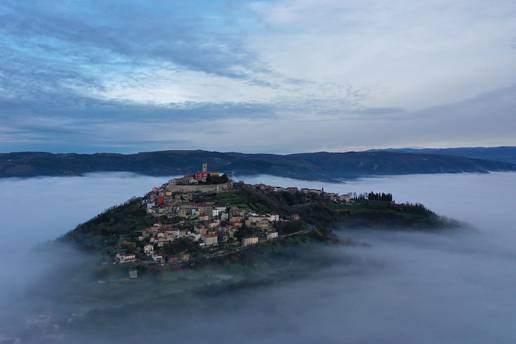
point(322, 165)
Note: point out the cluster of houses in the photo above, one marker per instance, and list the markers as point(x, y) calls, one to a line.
point(208, 224)
point(203, 221)
point(346, 198)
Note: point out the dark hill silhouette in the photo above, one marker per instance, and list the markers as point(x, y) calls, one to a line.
point(321, 165)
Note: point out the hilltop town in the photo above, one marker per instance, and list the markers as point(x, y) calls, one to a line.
point(193, 215)
point(207, 215)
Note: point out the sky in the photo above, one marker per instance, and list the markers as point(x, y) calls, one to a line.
point(274, 76)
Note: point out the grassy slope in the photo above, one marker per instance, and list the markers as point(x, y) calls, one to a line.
point(316, 211)
point(111, 226)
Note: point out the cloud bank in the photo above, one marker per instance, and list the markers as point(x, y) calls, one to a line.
point(445, 287)
point(274, 76)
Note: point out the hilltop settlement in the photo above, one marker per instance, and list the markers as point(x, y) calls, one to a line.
point(192, 215)
point(207, 215)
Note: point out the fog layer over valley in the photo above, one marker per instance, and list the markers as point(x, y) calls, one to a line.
point(454, 286)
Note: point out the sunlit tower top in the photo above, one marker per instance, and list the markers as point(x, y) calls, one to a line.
point(205, 168)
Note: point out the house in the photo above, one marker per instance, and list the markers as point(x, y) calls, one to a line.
point(157, 258)
point(123, 258)
point(263, 225)
point(205, 211)
point(236, 212)
point(214, 223)
point(333, 196)
point(248, 241)
point(201, 176)
point(191, 180)
point(172, 234)
point(194, 236)
point(185, 210)
point(273, 217)
point(210, 239)
point(200, 229)
point(346, 197)
point(272, 235)
point(217, 211)
point(311, 191)
point(237, 224)
point(232, 230)
point(148, 249)
point(236, 219)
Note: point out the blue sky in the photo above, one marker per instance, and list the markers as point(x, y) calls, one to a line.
point(256, 76)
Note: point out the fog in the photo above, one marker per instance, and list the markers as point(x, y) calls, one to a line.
point(403, 287)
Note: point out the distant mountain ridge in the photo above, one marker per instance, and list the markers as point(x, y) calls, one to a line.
point(505, 154)
point(321, 165)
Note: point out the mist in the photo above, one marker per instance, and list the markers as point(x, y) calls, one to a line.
point(404, 286)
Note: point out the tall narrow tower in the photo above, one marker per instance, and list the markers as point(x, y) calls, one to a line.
point(205, 168)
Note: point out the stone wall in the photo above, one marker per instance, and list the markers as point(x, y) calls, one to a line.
point(199, 188)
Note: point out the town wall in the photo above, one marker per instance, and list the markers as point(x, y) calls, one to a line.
point(199, 188)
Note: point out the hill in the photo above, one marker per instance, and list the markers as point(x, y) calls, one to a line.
point(321, 165)
point(208, 224)
point(504, 154)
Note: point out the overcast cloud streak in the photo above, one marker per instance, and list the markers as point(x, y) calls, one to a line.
point(276, 76)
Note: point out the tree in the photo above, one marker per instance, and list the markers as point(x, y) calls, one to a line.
point(217, 179)
point(180, 245)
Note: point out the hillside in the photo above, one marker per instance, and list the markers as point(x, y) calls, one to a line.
point(244, 210)
point(321, 165)
point(503, 154)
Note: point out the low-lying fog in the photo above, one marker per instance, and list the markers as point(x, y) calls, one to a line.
point(406, 287)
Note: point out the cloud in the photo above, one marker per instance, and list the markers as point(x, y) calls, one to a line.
point(404, 286)
point(408, 54)
point(197, 37)
point(274, 75)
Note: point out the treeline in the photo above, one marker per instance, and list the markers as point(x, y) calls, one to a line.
point(217, 179)
point(384, 197)
point(373, 196)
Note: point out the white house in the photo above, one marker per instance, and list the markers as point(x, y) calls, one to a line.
point(253, 240)
point(148, 249)
point(157, 258)
point(273, 217)
point(272, 235)
point(125, 258)
point(217, 211)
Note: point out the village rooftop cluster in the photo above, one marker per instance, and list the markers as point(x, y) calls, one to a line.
point(189, 218)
